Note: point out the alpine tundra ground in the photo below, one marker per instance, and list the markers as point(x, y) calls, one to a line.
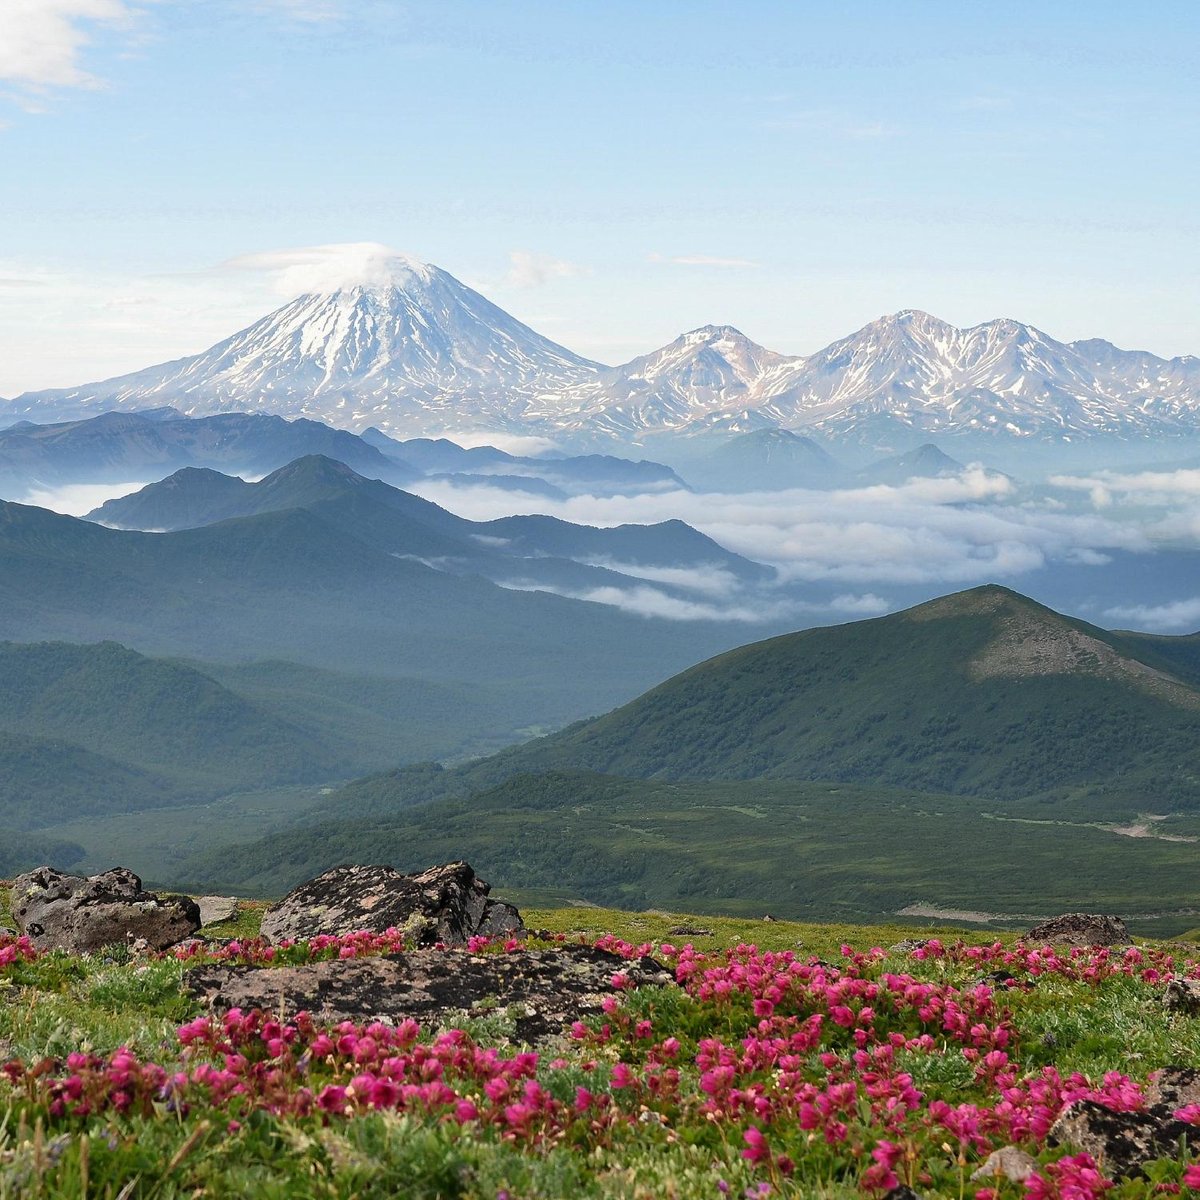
point(791, 1060)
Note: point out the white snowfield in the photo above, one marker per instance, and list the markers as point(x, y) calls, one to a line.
point(423, 354)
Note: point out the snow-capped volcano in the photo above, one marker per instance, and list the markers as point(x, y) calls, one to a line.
point(413, 350)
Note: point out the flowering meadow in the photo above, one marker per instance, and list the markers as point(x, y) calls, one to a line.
point(816, 1071)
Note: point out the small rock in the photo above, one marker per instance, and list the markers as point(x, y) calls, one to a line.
point(902, 1193)
point(543, 990)
point(1009, 1162)
point(447, 904)
point(908, 945)
point(1081, 929)
point(214, 910)
point(1002, 979)
point(768, 917)
point(1183, 996)
point(689, 931)
point(68, 912)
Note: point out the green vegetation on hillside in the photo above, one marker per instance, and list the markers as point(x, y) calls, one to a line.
point(291, 585)
point(815, 851)
point(978, 753)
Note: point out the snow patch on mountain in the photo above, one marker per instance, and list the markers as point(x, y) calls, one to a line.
point(413, 351)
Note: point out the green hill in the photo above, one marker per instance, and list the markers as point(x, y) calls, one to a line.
point(166, 717)
point(301, 587)
point(43, 781)
point(981, 693)
point(1035, 753)
point(92, 730)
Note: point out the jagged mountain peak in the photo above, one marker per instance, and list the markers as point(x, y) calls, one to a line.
point(402, 345)
point(708, 334)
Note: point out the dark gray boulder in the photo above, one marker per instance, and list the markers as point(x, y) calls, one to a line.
point(542, 991)
point(1121, 1143)
point(1081, 929)
point(68, 912)
point(448, 904)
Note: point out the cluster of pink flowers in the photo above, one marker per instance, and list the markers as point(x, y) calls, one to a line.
point(259, 952)
point(15, 950)
point(248, 1060)
point(791, 1057)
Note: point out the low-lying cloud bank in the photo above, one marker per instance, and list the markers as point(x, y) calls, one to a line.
point(961, 530)
point(858, 552)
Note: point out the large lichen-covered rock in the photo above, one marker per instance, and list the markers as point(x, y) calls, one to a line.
point(447, 904)
point(57, 911)
point(541, 991)
point(1081, 929)
point(1121, 1143)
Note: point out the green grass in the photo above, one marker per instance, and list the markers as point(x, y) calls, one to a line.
point(61, 1004)
point(821, 852)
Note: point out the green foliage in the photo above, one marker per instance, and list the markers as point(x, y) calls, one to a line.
point(801, 850)
point(21, 851)
point(60, 1004)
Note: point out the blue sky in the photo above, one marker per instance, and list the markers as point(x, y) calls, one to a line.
point(612, 173)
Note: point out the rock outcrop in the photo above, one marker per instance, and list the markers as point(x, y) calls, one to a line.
point(541, 991)
point(68, 912)
point(1081, 929)
point(1121, 1143)
point(1183, 996)
point(448, 904)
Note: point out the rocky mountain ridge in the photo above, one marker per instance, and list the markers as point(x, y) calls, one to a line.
point(424, 354)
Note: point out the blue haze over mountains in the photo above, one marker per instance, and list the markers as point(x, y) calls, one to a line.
point(417, 352)
point(292, 574)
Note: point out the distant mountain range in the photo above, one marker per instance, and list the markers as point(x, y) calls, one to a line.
point(119, 447)
point(351, 575)
point(526, 552)
point(427, 355)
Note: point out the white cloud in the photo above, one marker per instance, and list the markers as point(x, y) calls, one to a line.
point(1140, 487)
point(522, 444)
point(316, 12)
point(76, 499)
point(866, 605)
point(326, 268)
point(527, 269)
point(709, 579)
point(42, 42)
point(650, 602)
point(702, 260)
point(930, 531)
point(1180, 615)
